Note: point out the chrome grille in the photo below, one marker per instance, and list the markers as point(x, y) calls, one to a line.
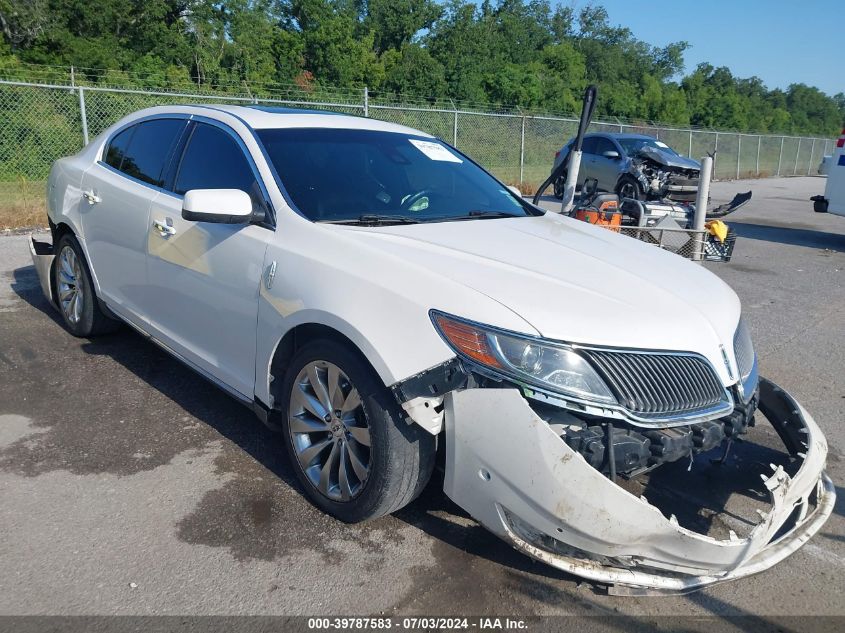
point(743, 350)
point(659, 385)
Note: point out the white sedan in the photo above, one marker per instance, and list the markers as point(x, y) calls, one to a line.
point(387, 304)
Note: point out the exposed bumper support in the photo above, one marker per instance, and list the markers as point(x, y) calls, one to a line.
point(510, 470)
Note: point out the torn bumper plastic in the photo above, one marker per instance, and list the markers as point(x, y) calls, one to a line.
point(510, 470)
point(42, 258)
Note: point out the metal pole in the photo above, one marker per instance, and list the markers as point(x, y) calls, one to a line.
point(690, 144)
point(715, 152)
point(83, 116)
point(780, 156)
point(738, 153)
point(72, 78)
point(812, 151)
point(366, 101)
point(759, 143)
point(455, 129)
point(797, 153)
point(701, 206)
point(522, 152)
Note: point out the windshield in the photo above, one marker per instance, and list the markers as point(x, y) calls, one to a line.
point(340, 175)
point(633, 145)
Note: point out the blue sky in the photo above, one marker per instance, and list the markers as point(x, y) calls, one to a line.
point(780, 41)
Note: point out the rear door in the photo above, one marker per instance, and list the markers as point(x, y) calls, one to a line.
point(118, 191)
point(204, 277)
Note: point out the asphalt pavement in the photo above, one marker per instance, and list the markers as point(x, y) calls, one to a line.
point(129, 485)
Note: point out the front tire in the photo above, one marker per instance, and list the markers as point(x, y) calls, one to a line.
point(75, 295)
point(347, 439)
point(628, 187)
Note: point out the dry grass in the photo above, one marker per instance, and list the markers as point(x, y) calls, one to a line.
point(23, 204)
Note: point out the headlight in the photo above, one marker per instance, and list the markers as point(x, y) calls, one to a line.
point(543, 364)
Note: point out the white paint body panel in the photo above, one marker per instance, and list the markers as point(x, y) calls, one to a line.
point(205, 291)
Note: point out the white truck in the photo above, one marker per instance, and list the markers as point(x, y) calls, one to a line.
point(833, 200)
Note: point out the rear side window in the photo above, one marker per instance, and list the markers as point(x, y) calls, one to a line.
point(149, 149)
point(117, 148)
point(213, 160)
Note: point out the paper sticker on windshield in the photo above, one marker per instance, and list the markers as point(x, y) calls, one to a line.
point(435, 151)
point(660, 144)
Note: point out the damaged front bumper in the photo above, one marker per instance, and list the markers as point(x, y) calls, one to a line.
point(513, 473)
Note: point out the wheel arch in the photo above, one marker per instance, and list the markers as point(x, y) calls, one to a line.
point(303, 333)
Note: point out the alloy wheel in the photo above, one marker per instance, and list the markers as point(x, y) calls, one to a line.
point(628, 190)
point(70, 290)
point(329, 431)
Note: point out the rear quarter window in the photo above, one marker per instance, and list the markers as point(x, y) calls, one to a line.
point(117, 147)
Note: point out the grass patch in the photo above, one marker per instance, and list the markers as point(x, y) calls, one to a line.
point(23, 204)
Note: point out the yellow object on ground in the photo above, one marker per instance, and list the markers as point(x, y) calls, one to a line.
point(717, 228)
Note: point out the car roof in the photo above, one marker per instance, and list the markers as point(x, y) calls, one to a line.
point(621, 135)
point(269, 117)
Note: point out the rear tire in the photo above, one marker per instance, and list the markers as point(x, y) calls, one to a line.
point(75, 294)
point(356, 456)
point(558, 187)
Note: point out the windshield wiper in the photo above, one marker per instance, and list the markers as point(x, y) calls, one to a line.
point(374, 219)
point(480, 214)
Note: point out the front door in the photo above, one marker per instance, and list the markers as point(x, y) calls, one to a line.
point(606, 169)
point(205, 277)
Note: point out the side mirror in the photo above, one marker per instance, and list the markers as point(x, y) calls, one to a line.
point(611, 154)
point(515, 191)
point(221, 206)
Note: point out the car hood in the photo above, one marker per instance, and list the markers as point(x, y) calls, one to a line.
point(668, 159)
point(572, 281)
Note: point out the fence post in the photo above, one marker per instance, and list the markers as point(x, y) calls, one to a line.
point(738, 153)
point(454, 126)
point(812, 151)
point(620, 124)
point(690, 144)
point(759, 143)
point(522, 152)
point(83, 115)
point(366, 101)
point(797, 154)
point(780, 156)
point(715, 151)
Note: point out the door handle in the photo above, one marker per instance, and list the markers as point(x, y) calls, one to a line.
point(91, 197)
point(164, 228)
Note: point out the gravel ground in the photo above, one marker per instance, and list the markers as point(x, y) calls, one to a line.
point(131, 486)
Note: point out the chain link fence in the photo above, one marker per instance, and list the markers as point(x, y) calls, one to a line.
point(42, 122)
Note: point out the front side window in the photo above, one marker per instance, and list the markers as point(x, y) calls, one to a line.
point(604, 145)
point(213, 160)
point(336, 175)
point(590, 145)
point(149, 148)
